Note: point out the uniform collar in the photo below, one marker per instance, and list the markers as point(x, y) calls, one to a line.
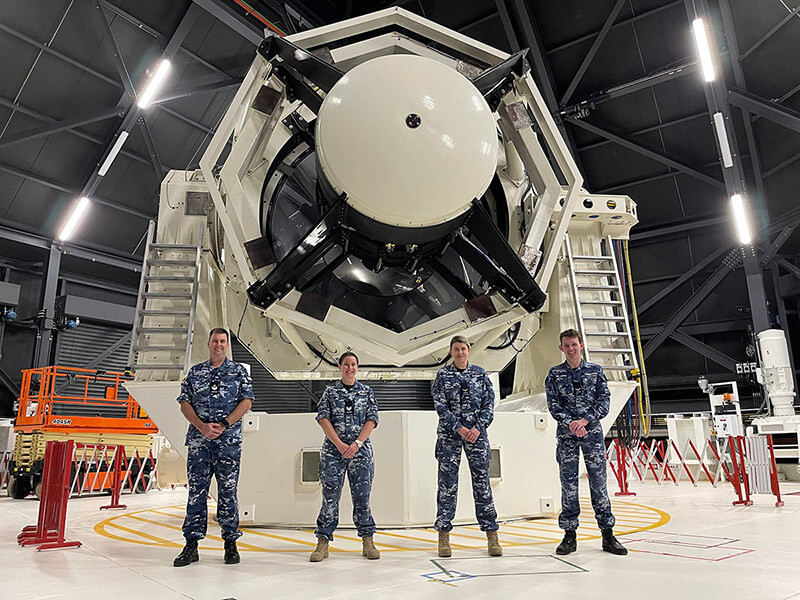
point(356, 385)
point(452, 367)
point(225, 363)
point(582, 365)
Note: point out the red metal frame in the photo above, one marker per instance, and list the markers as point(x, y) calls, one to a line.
point(48, 533)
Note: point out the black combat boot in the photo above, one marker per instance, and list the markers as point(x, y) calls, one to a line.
point(611, 544)
point(187, 555)
point(231, 553)
point(568, 544)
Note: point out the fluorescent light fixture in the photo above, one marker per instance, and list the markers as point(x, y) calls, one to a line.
point(742, 227)
point(155, 83)
point(722, 138)
point(74, 219)
point(703, 49)
point(113, 154)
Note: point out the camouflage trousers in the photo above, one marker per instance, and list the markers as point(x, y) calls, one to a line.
point(359, 470)
point(448, 453)
point(594, 456)
point(206, 458)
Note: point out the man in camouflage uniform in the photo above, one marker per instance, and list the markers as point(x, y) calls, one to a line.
point(464, 399)
point(214, 396)
point(347, 414)
point(578, 397)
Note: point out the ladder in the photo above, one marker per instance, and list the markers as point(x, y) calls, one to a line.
point(161, 339)
point(600, 305)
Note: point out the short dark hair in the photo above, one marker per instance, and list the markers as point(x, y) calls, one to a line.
point(345, 355)
point(219, 330)
point(459, 339)
point(570, 333)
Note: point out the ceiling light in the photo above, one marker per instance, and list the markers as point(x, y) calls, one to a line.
point(703, 49)
point(722, 138)
point(155, 83)
point(113, 154)
point(739, 214)
point(74, 219)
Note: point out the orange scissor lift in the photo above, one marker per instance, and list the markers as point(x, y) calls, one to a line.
point(63, 403)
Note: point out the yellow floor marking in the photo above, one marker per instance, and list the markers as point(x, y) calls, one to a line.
point(115, 528)
point(281, 537)
point(408, 537)
point(161, 541)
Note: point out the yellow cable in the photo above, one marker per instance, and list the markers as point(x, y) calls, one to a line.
point(644, 411)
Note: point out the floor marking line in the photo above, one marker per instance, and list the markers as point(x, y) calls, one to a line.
point(441, 568)
point(161, 541)
point(280, 537)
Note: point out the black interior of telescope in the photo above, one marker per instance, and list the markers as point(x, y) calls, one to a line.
point(390, 296)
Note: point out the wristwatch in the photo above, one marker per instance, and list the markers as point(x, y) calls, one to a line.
point(225, 422)
point(359, 443)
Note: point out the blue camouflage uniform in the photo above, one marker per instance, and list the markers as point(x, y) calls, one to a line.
point(214, 393)
point(347, 410)
point(463, 399)
point(574, 394)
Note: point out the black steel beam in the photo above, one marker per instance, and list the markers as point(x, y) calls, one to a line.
point(91, 252)
point(711, 327)
point(680, 228)
point(225, 13)
point(716, 94)
point(718, 357)
point(621, 23)
point(72, 191)
point(100, 21)
point(59, 126)
point(739, 78)
point(485, 18)
point(729, 264)
point(42, 117)
point(659, 127)
point(793, 269)
point(508, 26)
point(541, 67)
point(781, 115)
point(44, 336)
point(667, 290)
point(151, 147)
point(782, 313)
point(647, 152)
point(132, 114)
point(770, 33)
point(200, 89)
point(60, 55)
point(587, 60)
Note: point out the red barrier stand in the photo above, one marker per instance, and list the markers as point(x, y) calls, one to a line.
point(48, 533)
point(621, 470)
point(116, 479)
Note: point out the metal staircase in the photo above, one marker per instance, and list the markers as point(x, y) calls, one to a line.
point(165, 309)
point(600, 304)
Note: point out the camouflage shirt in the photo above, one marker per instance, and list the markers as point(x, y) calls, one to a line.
point(214, 393)
point(580, 393)
point(348, 410)
point(463, 399)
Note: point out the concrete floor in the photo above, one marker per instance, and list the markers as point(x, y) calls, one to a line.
point(685, 543)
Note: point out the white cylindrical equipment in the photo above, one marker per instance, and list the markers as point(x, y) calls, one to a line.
point(777, 371)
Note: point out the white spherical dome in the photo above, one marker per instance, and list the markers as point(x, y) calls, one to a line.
point(409, 140)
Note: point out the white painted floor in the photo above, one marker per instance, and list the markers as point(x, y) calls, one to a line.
point(685, 543)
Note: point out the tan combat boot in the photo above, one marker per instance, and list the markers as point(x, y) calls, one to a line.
point(369, 550)
point(445, 550)
point(320, 552)
point(493, 544)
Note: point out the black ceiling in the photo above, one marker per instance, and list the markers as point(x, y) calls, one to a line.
point(58, 65)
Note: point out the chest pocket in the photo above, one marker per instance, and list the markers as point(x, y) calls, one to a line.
point(360, 406)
